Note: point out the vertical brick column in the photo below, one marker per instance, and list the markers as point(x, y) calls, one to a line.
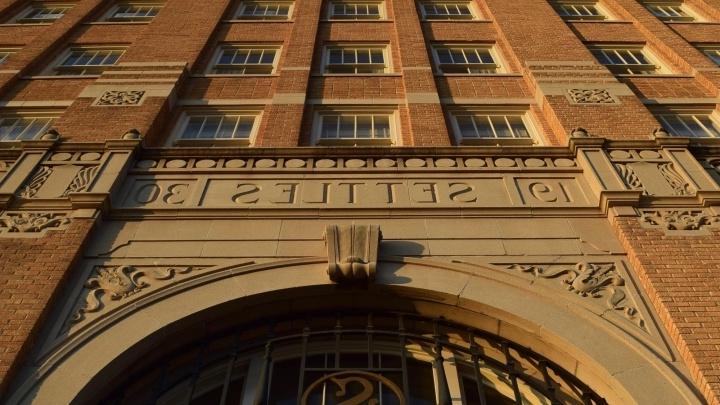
point(554, 61)
point(426, 114)
point(31, 270)
point(155, 64)
point(681, 274)
point(282, 122)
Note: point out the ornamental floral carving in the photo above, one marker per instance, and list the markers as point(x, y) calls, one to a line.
point(31, 222)
point(679, 220)
point(118, 283)
point(591, 96)
point(590, 280)
point(120, 98)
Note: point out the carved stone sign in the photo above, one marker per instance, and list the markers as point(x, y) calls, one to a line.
point(316, 191)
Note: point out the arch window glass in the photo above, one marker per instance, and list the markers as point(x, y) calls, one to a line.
point(370, 358)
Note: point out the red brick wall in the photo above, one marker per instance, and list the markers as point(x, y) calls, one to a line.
point(681, 274)
point(31, 270)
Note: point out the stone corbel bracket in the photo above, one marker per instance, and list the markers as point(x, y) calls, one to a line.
point(352, 253)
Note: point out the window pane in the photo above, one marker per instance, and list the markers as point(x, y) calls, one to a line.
point(364, 130)
point(347, 126)
point(329, 127)
point(268, 56)
point(226, 57)
point(377, 56)
point(335, 56)
point(518, 126)
point(382, 126)
point(484, 129)
point(227, 127)
point(501, 127)
point(363, 56)
point(244, 128)
point(472, 56)
point(466, 127)
point(444, 56)
point(212, 123)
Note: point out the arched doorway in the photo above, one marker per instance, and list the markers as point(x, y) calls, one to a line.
point(351, 357)
point(589, 356)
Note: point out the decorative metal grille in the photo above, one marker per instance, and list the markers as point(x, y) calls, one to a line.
point(382, 359)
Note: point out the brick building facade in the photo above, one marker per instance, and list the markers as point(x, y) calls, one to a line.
point(543, 175)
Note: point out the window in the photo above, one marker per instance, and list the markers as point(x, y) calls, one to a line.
point(447, 10)
point(332, 358)
point(20, 126)
point(581, 10)
point(466, 59)
point(712, 52)
point(87, 61)
point(245, 60)
point(134, 12)
point(264, 10)
point(217, 126)
point(491, 124)
point(355, 127)
point(670, 11)
point(356, 59)
point(355, 11)
point(5, 54)
point(627, 60)
point(43, 12)
point(691, 124)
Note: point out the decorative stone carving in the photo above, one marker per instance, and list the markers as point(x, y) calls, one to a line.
point(31, 222)
point(651, 172)
point(679, 220)
point(590, 280)
point(132, 134)
point(118, 283)
point(352, 252)
point(660, 133)
point(579, 133)
point(82, 180)
point(41, 175)
point(120, 98)
point(51, 135)
point(61, 174)
point(591, 96)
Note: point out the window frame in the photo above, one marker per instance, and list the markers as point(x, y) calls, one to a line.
point(109, 16)
point(22, 16)
point(522, 111)
point(475, 14)
point(220, 48)
point(238, 14)
point(654, 67)
point(708, 49)
point(387, 56)
point(56, 67)
point(30, 113)
point(391, 111)
point(604, 14)
point(710, 111)
point(330, 10)
point(499, 64)
point(6, 53)
point(176, 136)
point(690, 14)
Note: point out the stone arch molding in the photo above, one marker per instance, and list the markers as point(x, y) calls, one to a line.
point(625, 369)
